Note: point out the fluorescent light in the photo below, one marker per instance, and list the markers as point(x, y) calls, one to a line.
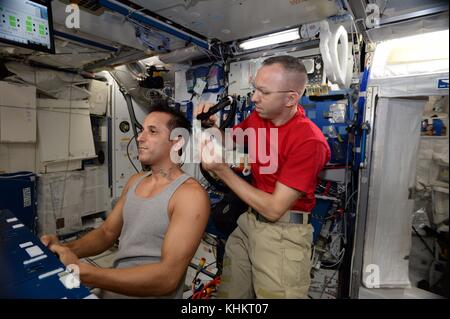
point(420, 48)
point(270, 39)
point(413, 55)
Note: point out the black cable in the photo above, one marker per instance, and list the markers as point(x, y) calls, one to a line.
point(128, 153)
point(209, 243)
point(423, 241)
point(211, 263)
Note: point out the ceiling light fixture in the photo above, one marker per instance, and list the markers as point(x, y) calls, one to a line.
point(270, 39)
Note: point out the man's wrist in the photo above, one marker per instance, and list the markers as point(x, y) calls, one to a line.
point(220, 170)
point(85, 271)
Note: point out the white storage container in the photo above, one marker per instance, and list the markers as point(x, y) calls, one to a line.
point(17, 95)
point(440, 204)
point(17, 113)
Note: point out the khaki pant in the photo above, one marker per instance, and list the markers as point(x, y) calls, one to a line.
point(266, 260)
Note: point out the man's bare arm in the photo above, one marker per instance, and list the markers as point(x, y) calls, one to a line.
point(271, 206)
point(186, 228)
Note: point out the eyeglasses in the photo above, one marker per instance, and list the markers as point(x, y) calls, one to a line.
point(267, 93)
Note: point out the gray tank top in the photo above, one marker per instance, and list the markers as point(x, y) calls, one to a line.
point(145, 222)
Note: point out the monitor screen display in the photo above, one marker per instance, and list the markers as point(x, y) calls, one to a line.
point(27, 23)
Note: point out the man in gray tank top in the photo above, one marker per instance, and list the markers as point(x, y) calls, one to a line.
point(157, 221)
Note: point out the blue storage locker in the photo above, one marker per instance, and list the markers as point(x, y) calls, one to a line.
point(18, 194)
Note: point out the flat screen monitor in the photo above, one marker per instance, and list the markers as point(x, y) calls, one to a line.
point(28, 24)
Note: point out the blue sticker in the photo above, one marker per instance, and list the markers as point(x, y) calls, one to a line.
point(442, 84)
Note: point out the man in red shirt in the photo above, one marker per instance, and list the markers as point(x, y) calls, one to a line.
point(268, 254)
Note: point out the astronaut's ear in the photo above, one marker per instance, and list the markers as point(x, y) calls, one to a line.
point(293, 98)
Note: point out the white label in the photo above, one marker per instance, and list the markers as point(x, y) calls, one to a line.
point(34, 251)
point(50, 273)
point(199, 86)
point(29, 261)
point(26, 197)
point(27, 244)
point(17, 226)
point(11, 220)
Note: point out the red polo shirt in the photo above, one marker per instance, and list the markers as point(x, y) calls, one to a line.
point(294, 159)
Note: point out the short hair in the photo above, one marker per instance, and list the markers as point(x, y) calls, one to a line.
point(289, 64)
point(177, 118)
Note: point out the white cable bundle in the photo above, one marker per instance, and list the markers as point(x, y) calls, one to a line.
point(325, 36)
point(334, 54)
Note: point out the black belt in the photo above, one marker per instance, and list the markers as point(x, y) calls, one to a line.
point(292, 218)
